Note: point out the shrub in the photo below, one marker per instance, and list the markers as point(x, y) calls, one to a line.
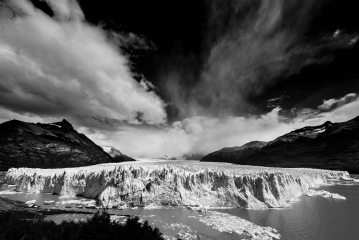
point(14, 226)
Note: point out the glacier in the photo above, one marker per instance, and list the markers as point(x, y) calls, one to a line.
point(175, 183)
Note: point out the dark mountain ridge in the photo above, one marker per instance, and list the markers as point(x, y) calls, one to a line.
point(332, 146)
point(232, 154)
point(53, 145)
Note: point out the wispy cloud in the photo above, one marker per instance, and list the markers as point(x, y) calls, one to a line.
point(336, 110)
point(252, 44)
point(63, 66)
point(343, 38)
point(340, 113)
point(275, 102)
point(333, 103)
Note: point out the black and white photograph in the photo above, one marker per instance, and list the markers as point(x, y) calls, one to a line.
point(179, 120)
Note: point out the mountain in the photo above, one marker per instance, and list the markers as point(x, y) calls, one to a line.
point(231, 154)
point(116, 154)
point(332, 146)
point(54, 145)
point(186, 156)
point(192, 156)
point(166, 157)
point(303, 134)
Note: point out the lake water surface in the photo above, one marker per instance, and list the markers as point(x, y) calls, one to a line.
point(312, 218)
point(309, 218)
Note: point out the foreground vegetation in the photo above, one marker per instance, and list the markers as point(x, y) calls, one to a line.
point(14, 226)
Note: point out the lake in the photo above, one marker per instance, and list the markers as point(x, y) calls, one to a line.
point(312, 218)
point(309, 218)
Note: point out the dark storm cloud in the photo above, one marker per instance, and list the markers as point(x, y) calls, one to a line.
point(61, 66)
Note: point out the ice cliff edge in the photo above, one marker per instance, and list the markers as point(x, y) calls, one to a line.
point(175, 183)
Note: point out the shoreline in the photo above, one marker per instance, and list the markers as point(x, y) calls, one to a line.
point(7, 204)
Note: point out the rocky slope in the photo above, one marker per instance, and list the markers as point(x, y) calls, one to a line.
point(329, 146)
point(174, 183)
point(47, 145)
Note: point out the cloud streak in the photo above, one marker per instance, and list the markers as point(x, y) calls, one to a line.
point(251, 45)
point(333, 103)
point(65, 67)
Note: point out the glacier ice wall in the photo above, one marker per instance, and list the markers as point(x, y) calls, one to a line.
point(175, 183)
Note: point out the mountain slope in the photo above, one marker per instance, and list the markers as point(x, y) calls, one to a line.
point(116, 154)
point(233, 154)
point(47, 146)
point(329, 146)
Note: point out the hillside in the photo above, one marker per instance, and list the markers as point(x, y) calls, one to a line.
point(55, 145)
point(332, 146)
point(233, 154)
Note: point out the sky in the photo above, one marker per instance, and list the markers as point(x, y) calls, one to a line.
point(154, 78)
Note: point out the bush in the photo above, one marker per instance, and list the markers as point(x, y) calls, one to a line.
point(13, 226)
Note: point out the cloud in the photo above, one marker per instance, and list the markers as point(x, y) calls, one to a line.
point(275, 99)
point(207, 134)
point(65, 9)
point(342, 113)
point(275, 102)
point(6, 115)
point(333, 103)
point(342, 38)
point(334, 110)
point(197, 134)
point(201, 134)
point(66, 67)
point(63, 67)
point(250, 45)
point(337, 33)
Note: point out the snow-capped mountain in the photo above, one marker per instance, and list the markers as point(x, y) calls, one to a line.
point(306, 132)
point(112, 151)
point(115, 153)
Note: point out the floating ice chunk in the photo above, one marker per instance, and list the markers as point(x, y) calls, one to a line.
point(30, 202)
point(324, 194)
point(224, 222)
